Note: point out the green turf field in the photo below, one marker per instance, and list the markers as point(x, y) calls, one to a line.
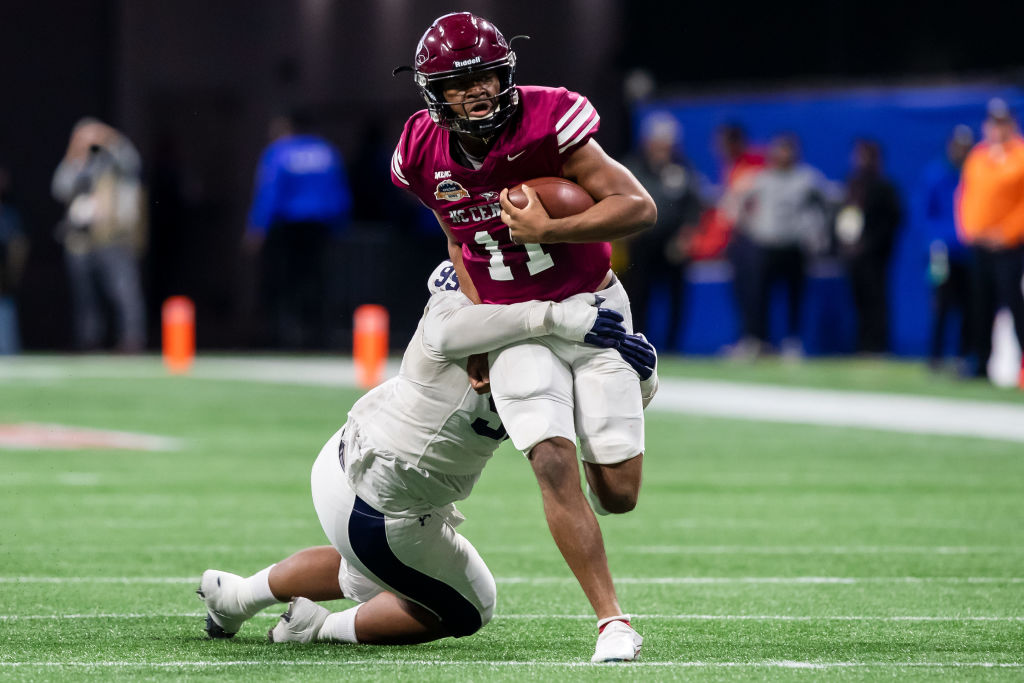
point(758, 551)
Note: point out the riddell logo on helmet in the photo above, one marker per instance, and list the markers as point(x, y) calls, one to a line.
point(467, 62)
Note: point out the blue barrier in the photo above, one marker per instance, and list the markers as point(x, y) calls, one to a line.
point(911, 123)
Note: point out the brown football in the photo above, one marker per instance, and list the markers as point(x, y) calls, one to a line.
point(559, 196)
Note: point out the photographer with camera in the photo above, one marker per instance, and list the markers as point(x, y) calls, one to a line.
point(103, 232)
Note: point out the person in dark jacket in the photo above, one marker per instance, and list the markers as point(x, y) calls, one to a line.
point(301, 203)
point(866, 230)
point(948, 257)
point(660, 255)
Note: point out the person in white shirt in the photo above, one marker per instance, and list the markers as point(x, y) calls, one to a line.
point(384, 488)
point(783, 213)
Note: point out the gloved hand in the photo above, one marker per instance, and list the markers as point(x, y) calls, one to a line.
point(578, 318)
point(607, 330)
point(639, 353)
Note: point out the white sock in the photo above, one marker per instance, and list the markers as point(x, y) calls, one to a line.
point(340, 626)
point(254, 594)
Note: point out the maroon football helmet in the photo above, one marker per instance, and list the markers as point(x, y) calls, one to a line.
point(455, 45)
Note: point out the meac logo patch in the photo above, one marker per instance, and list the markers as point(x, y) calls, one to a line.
point(450, 191)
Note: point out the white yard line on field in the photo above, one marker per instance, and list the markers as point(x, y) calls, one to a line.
point(534, 580)
point(890, 412)
point(630, 549)
point(454, 664)
point(575, 617)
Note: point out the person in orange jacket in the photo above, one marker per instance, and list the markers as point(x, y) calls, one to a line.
point(990, 213)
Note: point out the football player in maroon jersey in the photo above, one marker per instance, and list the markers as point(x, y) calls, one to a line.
point(480, 135)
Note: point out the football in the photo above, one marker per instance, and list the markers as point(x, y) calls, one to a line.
point(559, 196)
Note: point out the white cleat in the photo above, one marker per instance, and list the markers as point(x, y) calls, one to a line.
point(300, 624)
point(219, 591)
point(618, 642)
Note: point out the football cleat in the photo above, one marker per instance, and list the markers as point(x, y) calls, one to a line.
point(219, 591)
point(301, 623)
point(618, 642)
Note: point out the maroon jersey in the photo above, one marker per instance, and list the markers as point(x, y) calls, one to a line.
point(551, 124)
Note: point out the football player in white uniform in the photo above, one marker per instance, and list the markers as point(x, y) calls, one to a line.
point(385, 484)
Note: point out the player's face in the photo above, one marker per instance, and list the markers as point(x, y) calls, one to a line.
point(472, 95)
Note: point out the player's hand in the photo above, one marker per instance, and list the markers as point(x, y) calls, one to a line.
point(528, 225)
point(479, 372)
point(607, 331)
point(579, 318)
point(640, 354)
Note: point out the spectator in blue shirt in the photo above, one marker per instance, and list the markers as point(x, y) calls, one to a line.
point(302, 203)
point(948, 257)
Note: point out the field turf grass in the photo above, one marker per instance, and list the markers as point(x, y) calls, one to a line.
point(758, 551)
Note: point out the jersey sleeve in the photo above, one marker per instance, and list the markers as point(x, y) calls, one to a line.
point(399, 175)
point(575, 121)
point(453, 327)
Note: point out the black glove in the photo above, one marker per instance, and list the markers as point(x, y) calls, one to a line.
point(607, 330)
point(639, 353)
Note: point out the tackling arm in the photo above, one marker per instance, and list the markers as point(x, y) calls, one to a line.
point(454, 328)
point(623, 205)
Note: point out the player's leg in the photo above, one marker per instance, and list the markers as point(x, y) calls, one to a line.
point(425, 585)
point(533, 391)
point(231, 599)
point(614, 488)
point(608, 415)
point(381, 618)
point(418, 579)
point(578, 536)
point(572, 523)
point(314, 572)
point(311, 573)
point(385, 619)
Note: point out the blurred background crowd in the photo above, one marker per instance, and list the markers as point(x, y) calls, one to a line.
point(815, 196)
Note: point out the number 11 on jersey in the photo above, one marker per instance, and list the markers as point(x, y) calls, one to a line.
point(537, 259)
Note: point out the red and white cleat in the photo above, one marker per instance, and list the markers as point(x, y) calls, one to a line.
point(618, 642)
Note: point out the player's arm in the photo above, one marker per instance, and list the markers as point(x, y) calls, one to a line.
point(623, 207)
point(453, 328)
point(455, 255)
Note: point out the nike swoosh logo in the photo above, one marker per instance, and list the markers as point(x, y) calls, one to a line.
point(513, 157)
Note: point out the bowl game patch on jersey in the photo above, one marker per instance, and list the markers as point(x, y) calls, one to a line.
point(450, 191)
